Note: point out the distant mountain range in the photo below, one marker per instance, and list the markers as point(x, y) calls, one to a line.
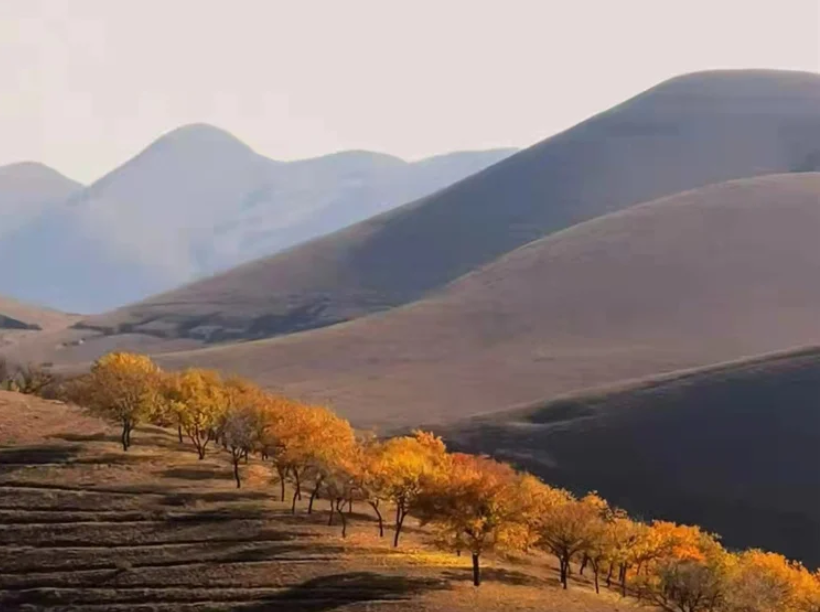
point(195, 202)
point(685, 133)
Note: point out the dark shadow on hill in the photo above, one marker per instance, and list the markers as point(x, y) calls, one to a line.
point(120, 458)
point(339, 590)
point(203, 473)
point(239, 495)
point(18, 457)
point(504, 576)
point(99, 436)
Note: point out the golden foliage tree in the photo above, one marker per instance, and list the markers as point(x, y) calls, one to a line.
point(474, 503)
point(568, 528)
point(122, 388)
point(401, 467)
point(198, 398)
point(242, 426)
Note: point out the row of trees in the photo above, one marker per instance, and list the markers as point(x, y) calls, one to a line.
point(473, 504)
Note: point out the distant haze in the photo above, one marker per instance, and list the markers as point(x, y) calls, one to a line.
point(89, 83)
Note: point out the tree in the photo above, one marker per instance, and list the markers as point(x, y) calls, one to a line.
point(199, 398)
point(240, 433)
point(31, 379)
point(370, 486)
point(401, 468)
point(122, 388)
point(689, 571)
point(567, 528)
point(305, 443)
point(768, 582)
point(473, 502)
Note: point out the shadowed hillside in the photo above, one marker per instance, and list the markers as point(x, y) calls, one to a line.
point(685, 133)
point(734, 448)
point(195, 202)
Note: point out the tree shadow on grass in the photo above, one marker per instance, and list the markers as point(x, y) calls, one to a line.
point(121, 458)
point(99, 436)
point(19, 456)
point(182, 499)
point(197, 473)
point(338, 590)
point(504, 576)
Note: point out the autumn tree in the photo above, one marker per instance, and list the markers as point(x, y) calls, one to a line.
point(199, 398)
point(304, 443)
point(122, 388)
point(370, 486)
point(401, 468)
point(689, 571)
point(473, 501)
point(768, 582)
point(341, 482)
point(242, 430)
point(567, 528)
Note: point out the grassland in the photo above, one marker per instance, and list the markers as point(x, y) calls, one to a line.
point(84, 526)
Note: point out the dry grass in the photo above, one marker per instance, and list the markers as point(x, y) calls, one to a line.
point(84, 526)
point(696, 279)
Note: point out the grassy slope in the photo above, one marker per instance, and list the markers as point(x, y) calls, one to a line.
point(734, 448)
point(84, 526)
point(685, 133)
point(695, 279)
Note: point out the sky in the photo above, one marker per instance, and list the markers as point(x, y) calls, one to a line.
point(87, 84)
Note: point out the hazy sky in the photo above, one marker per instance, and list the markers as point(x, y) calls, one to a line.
point(86, 84)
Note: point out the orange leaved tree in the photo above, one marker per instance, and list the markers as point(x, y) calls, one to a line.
point(401, 468)
point(568, 528)
point(473, 501)
point(122, 388)
point(199, 397)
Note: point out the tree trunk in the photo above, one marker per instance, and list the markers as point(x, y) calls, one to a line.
point(179, 432)
point(125, 438)
point(314, 494)
point(339, 506)
point(609, 575)
point(375, 506)
point(595, 574)
point(476, 571)
point(296, 491)
point(281, 473)
point(564, 572)
point(399, 521)
point(622, 578)
point(332, 510)
point(236, 468)
point(350, 507)
point(584, 563)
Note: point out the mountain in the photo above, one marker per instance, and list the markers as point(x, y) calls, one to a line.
point(733, 448)
point(701, 277)
point(27, 189)
point(685, 133)
point(197, 201)
point(22, 323)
